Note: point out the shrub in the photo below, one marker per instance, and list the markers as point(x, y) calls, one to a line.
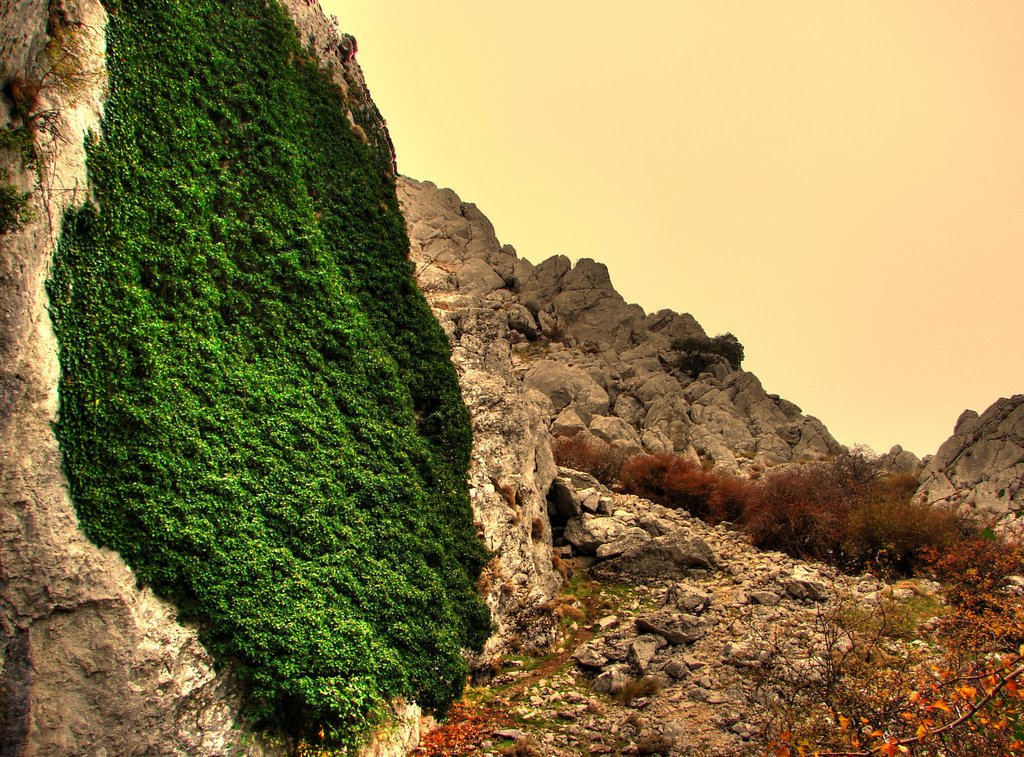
point(888, 533)
point(590, 455)
point(866, 691)
point(647, 686)
point(801, 510)
point(729, 499)
point(842, 511)
point(671, 480)
point(989, 609)
point(697, 354)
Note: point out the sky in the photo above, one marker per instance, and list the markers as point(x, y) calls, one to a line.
point(839, 185)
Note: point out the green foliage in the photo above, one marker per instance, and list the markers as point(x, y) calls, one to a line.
point(14, 210)
point(257, 407)
point(697, 354)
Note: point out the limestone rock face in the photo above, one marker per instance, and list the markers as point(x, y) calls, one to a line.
point(607, 368)
point(90, 664)
point(512, 466)
point(979, 470)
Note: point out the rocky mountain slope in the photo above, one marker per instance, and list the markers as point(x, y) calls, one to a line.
point(605, 367)
point(667, 656)
point(979, 470)
point(678, 649)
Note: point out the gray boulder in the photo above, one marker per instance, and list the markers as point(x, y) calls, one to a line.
point(565, 384)
point(627, 540)
point(687, 598)
point(805, 584)
point(665, 558)
point(612, 679)
point(588, 532)
point(643, 650)
point(676, 628)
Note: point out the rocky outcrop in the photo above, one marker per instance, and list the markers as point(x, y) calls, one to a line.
point(606, 367)
point(337, 54)
point(899, 460)
point(465, 273)
point(979, 470)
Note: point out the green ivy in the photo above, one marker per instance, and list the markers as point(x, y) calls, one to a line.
point(257, 407)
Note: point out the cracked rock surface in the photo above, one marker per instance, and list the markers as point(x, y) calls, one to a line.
point(979, 470)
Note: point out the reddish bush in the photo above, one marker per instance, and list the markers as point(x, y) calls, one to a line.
point(671, 480)
point(729, 499)
point(590, 455)
point(886, 532)
point(975, 572)
point(988, 609)
point(800, 510)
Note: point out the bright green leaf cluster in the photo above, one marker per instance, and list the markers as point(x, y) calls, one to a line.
point(257, 407)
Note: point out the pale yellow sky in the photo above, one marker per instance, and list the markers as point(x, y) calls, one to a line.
point(840, 185)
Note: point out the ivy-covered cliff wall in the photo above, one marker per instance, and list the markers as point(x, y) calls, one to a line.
point(257, 408)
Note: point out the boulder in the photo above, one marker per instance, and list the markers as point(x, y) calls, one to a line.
point(805, 583)
point(612, 679)
point(675, 627)
point(570, 421)
point(687, 598)
point(477, 277)
point(629, 408)
point(614, 431)
point(521, 319)
point(591, 655)
point(564, 384)
point(588, 532)
point(627, 540)
point(642, 651)
point(665, 558)
point(592, 310)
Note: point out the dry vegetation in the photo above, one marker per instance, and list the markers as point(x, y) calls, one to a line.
point(884, 681)
point(843, 511)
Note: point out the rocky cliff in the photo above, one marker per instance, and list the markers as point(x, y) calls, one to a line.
point(88, 661)
point(979, 470)
point(554, 349)
point(605, 367)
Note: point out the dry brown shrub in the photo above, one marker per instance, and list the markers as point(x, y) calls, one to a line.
point(890, 535)
point(728, 500)
point(801, 510)
point(647, 686)
point(600, 459)
point(671, 480)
